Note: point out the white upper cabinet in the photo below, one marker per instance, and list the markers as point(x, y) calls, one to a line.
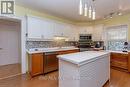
point(73, 33)
point(39, 28)
point(98, 32)
point(59, 29)
point(34, 27)
point(86, 30)
point(46, 29)
point(66, 30)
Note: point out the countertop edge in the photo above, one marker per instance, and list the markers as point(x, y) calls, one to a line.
point(33, 52)
point(84, 62)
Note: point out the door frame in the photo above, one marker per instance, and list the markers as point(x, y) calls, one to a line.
point(23, 40)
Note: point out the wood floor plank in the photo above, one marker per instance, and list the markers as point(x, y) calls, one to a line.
point(10, 70)
point(118, 79)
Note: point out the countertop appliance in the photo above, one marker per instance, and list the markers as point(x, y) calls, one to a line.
point(125, 49)
point(97, 45)
point(50, 62)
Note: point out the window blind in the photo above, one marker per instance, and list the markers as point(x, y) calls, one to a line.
point(116, 36)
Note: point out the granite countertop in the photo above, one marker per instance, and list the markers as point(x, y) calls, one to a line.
point(81, 58)
point(54, 49)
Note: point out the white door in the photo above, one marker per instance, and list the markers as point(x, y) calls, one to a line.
point(9, 44)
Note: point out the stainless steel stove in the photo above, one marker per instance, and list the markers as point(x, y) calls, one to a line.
point(85, 42)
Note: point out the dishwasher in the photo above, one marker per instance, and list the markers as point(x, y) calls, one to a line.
point(50, 62)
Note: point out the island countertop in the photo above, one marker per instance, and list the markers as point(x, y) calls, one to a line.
point(81, 58)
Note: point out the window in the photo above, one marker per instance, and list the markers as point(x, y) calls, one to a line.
point(116, 36)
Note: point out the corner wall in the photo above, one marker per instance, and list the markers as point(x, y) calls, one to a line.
point(119, 20)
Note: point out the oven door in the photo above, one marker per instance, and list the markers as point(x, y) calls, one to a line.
point(50, 62)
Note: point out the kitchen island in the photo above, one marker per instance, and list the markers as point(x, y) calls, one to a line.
point(84, 69)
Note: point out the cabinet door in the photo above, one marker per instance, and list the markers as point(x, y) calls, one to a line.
point(119, 60)
point(82, 30)
point(34, 27)
point(58, 29)
point(86, 30)
point(48, 29)
point(72, 33)
point(89, 30)
point(68, 51)
point(98, 33)
point(39, 28)
point(36, 64)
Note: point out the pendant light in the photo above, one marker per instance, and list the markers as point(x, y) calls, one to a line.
point(93, 14)
point(90, 12)
point(80, 7)
point(87, 9)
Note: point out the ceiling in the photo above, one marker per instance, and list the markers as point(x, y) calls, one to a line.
point(68, 9)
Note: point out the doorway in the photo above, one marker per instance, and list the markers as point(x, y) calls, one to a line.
point(10, 48)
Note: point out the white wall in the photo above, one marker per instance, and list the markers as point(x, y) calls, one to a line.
point(10, 41)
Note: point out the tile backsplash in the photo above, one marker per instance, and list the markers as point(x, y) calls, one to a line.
point(47, 44)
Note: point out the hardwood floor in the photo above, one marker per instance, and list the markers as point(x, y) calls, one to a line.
point(10, 70)
point(118, 79)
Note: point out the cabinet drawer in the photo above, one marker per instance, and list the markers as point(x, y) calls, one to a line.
point(68, 51)
point(119, 57)
point(119, 64)
point(119, 60)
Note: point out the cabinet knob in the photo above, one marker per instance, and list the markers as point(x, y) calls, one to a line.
point(1, 48)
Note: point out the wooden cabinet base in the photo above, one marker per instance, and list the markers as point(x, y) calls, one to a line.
point(119, 60)
point(120, 69)
point(67, 52)
point(129, 61)
point(36, 64)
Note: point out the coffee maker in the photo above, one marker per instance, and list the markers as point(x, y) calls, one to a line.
point(125, 49)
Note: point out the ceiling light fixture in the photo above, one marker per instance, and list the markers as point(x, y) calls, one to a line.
point(111, 15)
point(86, 8)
